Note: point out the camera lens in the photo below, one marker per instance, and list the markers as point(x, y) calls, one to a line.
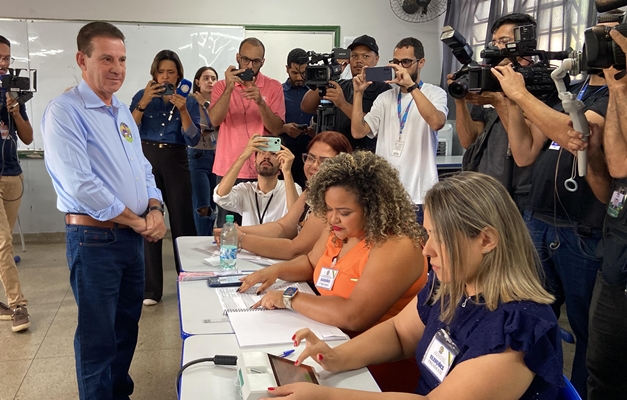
point(459, 88)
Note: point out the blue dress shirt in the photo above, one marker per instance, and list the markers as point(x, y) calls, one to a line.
point(94, 156)
point(293, 96)
point(155, 126)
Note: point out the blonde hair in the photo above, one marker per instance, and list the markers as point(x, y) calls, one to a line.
point(388, 210)
point(460, 207)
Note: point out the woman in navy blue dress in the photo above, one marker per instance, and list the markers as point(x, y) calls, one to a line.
point(482, 328)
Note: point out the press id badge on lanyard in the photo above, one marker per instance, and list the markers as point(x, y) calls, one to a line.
point(617, 202)
point(402, 119)
point(440, 355)
point(327, 276)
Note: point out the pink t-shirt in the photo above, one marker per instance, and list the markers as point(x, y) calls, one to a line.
point(242, 122)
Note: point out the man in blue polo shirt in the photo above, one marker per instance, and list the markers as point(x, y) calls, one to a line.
point(106, 189)
point(296, 137)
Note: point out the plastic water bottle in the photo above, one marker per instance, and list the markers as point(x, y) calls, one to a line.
point(228, 244)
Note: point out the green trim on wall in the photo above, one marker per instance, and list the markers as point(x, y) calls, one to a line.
point(299, 28)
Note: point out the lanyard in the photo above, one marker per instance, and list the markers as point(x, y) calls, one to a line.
point(259, 214)
point(204, 110)
point(402, 119)
point(585, 87)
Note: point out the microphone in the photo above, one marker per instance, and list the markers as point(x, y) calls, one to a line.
point(183, 89)
point(607, 5)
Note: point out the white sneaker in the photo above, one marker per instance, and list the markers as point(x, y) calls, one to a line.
point(150, 302)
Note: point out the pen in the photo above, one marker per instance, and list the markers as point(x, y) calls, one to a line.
point(286, 353)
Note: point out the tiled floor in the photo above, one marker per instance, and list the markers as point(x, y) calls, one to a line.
point(39, 364)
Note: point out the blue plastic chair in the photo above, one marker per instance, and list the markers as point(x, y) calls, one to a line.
point(568, 392)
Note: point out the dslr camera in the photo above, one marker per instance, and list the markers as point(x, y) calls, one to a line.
point(19, 86)
point(476, 78)
point(324, 67)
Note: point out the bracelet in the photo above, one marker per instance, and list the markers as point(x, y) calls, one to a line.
point(239, 241)
point(139, 108)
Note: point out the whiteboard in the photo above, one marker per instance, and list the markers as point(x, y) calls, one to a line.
point(50, 47)
point(279, 43)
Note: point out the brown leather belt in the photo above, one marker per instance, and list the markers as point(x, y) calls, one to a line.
point(86, 220)
point(164, 145)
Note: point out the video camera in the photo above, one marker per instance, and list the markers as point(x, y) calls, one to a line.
point(19, 86)
point(476, 78)
point(600, 50)
point(324, 67)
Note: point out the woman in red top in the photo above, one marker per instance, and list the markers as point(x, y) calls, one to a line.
point(368, 265)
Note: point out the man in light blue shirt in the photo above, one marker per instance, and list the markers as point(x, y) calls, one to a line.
point(106, 188)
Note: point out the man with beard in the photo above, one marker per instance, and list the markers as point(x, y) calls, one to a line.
point(242, 108)
point(405, 119)
point(296, 132)
point(267, 199)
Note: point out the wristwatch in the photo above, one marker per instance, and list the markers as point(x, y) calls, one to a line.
point(288, 295)
point(158, 208)
point(412, 87)
point(139, 108)
point(206, 104)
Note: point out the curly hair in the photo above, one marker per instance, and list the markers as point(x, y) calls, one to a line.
point(388, 210)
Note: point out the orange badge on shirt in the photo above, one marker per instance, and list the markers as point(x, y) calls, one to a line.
point(126, 132)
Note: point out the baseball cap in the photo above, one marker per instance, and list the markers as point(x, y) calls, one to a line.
point(367, 41)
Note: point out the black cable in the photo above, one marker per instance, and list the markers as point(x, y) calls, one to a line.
point(217, 360)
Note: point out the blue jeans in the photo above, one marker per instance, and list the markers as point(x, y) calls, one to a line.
point(107, 279)
point(570, 269)
point(203, 183)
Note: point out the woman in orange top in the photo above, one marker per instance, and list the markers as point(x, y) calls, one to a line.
point(369, 264)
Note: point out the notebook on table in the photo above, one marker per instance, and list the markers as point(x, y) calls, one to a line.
point(262, 327)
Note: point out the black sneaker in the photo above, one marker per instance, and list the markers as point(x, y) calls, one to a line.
point(5, 312)
point(20, 319)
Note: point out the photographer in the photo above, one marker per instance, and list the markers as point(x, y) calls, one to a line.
point(606, 360)
point(243, 108)
point(364, 53)
point(565, 225)
point(409, 140)
point(168, 124)
point(297, 132)
point(13, 124)
point(482, 129)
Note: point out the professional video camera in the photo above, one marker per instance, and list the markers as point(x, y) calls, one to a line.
point(321, 69)
point(19, 86)
point(476, 78)
point(600, 49)
point(324, 67)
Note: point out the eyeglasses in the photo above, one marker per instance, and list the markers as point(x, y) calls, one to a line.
point(245, 61)
point(502, 41)
point(7, 60)
point(405, 62)
point(310, 159)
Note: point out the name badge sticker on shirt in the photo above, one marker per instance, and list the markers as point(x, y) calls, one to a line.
point(617, 202)
point(126, 132)
point(398, 148)
point(440, 355)
point(554, 146)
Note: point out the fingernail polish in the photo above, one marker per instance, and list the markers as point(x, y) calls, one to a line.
point(320, 357)
point(296, 362)
point(270, 388)
point(294, 337)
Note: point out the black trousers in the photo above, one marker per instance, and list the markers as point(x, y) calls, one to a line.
point(171, 170)
point(607, 344)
